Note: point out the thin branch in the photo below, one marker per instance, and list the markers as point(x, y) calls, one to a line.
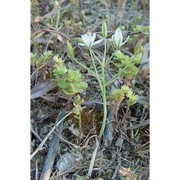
point(93, 158)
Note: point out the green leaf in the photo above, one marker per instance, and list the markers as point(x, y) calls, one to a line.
point(129, 71)
point(132, 100)
point(71, 83)
point(74, 76)
point(117, 94)
point(78, 87)
point(136, 59)
point(59, 71)
point(125, 89)
point(68, 91)
point(58, 61)
point(62, 84)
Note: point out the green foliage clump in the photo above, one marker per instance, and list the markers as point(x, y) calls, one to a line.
point(127, 64)
point(58, 62)
point(40, 61)
point(69, 81)
point(120, 94)
point(73, 26)
point(144, 29)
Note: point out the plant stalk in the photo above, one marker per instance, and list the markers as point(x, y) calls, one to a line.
point(103, 93)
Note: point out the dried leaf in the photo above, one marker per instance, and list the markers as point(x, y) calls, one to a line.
point(50, 98)
point(74, 130)
point(68, 161)
point(42, 87)
point(144, 70)
point(144, 67)
point(59, 37)
point(128, 173)
point(146, 54)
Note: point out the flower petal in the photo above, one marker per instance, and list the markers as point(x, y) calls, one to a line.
point(97, 42)
point(86, 39)
point(113, 36)
point(118, 37)
point(93, 37)
point(125, 40)
point(81, 44)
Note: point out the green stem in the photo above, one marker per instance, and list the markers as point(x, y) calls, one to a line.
point(94, 65)
point(97, 58)
point(104, 104)
point(96, 72)
point(80, 127)
point(103, 93)
point(57, 19)
point(113, 78)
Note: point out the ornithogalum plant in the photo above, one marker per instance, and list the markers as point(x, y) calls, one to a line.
point(89, 41)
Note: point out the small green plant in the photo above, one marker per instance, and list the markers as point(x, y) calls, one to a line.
point(126, 64)
point(40, 61)
point(118, 95)
point(69, 81)
point(77, 110)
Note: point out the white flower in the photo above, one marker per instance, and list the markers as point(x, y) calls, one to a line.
point(89, 40)
point(117, 38)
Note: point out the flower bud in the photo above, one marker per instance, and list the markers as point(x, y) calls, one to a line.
point(104, 30)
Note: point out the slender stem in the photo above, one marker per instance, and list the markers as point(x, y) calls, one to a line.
point(96, 72)
point(113, 78)
point(104, 105)
point(116, 76)
point(80, 127)
point(94, 65)
point(97, 58)
point(103, 93)
point(57, 19)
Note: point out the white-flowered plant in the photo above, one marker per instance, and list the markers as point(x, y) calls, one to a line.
point(100, 63)
point(89, 40)
point(117, 38)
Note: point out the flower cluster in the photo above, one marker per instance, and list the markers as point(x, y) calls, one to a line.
point(89, 39)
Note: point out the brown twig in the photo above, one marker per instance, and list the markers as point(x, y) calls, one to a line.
point(93, 158)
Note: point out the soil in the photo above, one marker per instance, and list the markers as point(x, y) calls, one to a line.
point(127, 155)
